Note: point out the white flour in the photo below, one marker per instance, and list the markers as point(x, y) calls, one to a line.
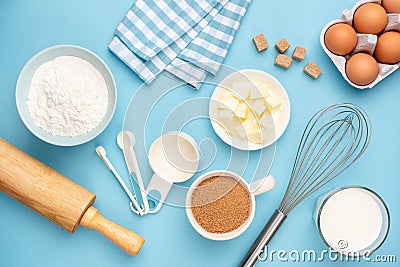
point(68, 96)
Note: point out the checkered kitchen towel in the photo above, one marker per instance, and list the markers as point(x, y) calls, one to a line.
point(188, 38)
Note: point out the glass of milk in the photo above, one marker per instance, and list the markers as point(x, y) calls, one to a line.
point(352, 220)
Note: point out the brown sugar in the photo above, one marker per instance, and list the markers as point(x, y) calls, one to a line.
point(283, 61)
point(312, 70)
point(299, 53)
point(282, 45)
point(220, 204)
point(260, 42)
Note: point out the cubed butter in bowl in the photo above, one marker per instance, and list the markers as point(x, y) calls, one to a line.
point(249, 109)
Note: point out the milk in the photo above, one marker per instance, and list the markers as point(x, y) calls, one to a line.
point(351, 220)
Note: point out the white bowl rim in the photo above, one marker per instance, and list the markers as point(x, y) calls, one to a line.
point(44, 51)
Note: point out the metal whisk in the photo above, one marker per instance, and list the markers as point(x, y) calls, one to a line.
point(333, 139)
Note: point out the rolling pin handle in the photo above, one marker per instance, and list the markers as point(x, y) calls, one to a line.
point(127, 240)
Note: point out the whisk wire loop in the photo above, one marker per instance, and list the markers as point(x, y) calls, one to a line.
point(334, 138)
point(311, 177)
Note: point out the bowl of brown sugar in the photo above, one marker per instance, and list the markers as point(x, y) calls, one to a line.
point(220, 205)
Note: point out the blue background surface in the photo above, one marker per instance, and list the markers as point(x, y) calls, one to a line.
point(27, 239)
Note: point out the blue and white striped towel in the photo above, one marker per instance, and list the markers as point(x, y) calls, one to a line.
point(188, 38)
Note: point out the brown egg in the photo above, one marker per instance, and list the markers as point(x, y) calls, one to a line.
point(340, 39)
point(391, 6)
point(388, 48)
point(361, 69)
point(370, 18)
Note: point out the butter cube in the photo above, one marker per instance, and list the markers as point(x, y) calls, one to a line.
point(241, 88)
point(255, 137)
point(255, 93)
point(252, 129)
point(273, 103)
point(253, 132)
point(251, 102)
point(224, 95)
point(258, 90)
point(259, 107)
point(231, 102)
point(241, 111)
point(248, 125)
point(254, 120)
point(221, 106)
point(266, 120)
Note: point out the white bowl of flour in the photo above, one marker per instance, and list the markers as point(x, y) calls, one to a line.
point(66, 95)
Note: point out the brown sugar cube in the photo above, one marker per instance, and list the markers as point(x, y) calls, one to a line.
point(260, 42)
point(299, 53)
point(282, 45)
point(283, 61)
point(312, 70)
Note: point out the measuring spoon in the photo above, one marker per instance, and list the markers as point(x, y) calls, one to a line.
point(102, 153)
point(126, 141)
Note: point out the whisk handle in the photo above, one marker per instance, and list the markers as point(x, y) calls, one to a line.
point(263, 239)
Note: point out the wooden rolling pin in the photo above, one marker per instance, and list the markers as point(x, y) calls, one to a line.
point(57, 198)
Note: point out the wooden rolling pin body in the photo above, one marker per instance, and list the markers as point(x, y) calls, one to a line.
point(57, 198)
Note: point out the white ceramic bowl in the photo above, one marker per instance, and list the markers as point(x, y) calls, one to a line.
point(256, 188)
point(281, 118)
point(23, 85)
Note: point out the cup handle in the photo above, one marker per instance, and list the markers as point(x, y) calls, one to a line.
point(262, 185)
point(163, 187)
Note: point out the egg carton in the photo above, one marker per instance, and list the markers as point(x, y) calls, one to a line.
point(365, 43)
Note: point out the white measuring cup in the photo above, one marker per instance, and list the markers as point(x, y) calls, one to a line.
point(174, 158)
